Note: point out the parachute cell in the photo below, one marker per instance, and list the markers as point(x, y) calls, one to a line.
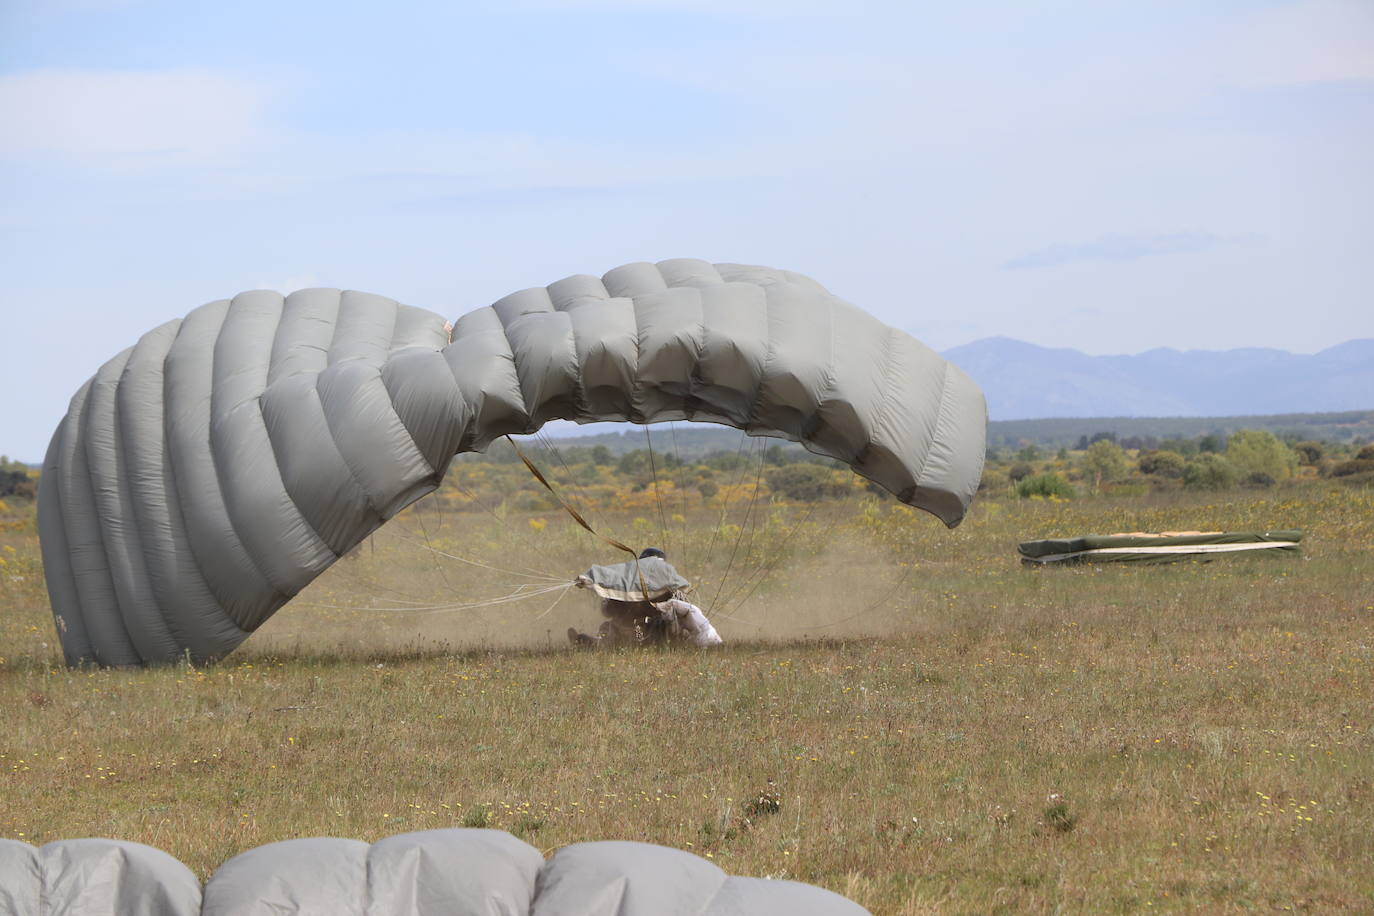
point(208, 474)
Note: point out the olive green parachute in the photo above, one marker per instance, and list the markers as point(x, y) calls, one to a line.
point(1162, 547)
point(204, 476)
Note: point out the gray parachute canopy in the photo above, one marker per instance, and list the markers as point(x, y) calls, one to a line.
point(645, 579)
point(203, 477)
point(427, 873)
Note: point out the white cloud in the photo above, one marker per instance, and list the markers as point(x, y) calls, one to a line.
point(1311, 41)
point(128, 117)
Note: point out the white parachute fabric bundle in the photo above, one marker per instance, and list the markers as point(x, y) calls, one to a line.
point(428, 873)
point(203, 477)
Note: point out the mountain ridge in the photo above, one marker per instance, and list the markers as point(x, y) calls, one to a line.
point(1024, 381)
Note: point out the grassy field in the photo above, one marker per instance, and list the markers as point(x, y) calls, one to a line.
point(903, 714)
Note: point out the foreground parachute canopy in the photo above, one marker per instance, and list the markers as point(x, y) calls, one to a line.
point(427, 873)
point(206, 475)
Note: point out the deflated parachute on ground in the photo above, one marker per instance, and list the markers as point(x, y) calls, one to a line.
point(1164, 547)
point(206, 475)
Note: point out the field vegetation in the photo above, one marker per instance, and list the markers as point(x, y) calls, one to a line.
point(902, 712)
point(1339, 426)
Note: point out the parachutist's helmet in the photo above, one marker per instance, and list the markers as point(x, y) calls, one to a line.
point(652, 552)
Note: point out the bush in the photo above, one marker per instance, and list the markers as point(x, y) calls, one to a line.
point(992, 481)
point(1045, 486)
point(775, 456)
point(1309, 452)
point(1059, 817)
point(1210, 471)
point(633, 462)
point(1104, 461)
point(15, 479)
point(726, 461)
point(1352, 467)
point(1185, 447)
point(1257, 451)
point(1163, 463)
point(806, 483)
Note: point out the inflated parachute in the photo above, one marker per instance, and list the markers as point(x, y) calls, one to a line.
point(427, 873)
point(206, 475)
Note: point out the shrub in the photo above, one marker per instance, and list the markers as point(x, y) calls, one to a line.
point(1210, 471)
point(634, 462)
point(15, 479)
point(1309, 452)
point(1185, 447)
point(1059, 817)
point(1257, 451)
point(1045, 486)
point(805, 482)
point(1104, 460)
point(992, 481)
point(1352, 467)
point(726, 461)
point(1163, 463)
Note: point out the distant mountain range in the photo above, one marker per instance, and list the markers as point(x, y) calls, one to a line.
point(1055, 397)
point(1025, 381)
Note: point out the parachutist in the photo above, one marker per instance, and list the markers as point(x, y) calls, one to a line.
point(643, 605)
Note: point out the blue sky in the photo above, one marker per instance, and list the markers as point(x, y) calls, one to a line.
point(1112, 176)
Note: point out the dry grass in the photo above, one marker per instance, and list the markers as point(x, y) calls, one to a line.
point(989, 738)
